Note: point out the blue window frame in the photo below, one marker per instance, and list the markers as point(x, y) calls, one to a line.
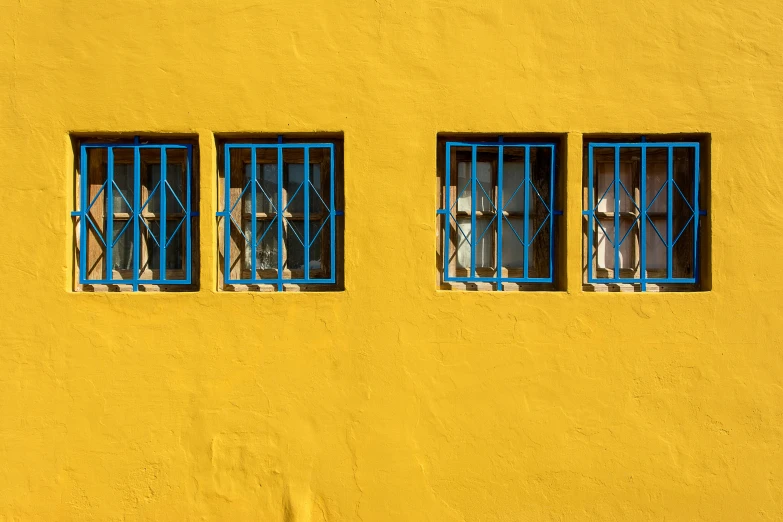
point(643, 213)
point(279, 220)
point(134, 214)
point(499, 212)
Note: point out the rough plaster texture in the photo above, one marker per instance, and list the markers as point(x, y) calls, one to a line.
point(391, 401)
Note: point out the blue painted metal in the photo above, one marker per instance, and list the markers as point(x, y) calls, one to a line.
point(136, 208)
point(449, 213)
point(643, 208)
point(308, 238)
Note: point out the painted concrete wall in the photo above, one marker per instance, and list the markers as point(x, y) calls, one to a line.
point(391, 401)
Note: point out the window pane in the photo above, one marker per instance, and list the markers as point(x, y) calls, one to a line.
point(122, 253)
point(606, 246)
point(174, 195)
point(296, 194)
point(513, 249)
point(656, 249)
point(656, 191)
point(604, 179)
point(294, 245)
point(123, 189)
point(174, 251)
point(514, 186)
point(484, 251)
point(266, 248)
point(484, 179)
point(266, 188)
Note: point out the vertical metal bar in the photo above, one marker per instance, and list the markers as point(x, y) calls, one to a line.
point(188, 212)
point(307, 213)
point(616, 213)
point(253, 213)
point(163, 196)
point(551, 213)
point(447, 216)
point(333, 217)
point(696, 212)
point(83, 204)
point(227, 216)
point(499, 216)
point(109, 257)
point(669, 211)
point(473, 234)
point(590, 214)
point(527, 211)
point(643, 222)
point(280, 242)
point(136, 213)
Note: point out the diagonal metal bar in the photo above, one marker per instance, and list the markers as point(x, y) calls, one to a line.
point(239, 229)
point(293, 229)
point(241, 195)
point(116, 239)
point(266, 195)
point(514, 230)
point(539, 196)
point(173, 234)
point(656, 196)
point(460, 229)
point(504, 205)
point(95, 227)
point(456, 200)
point(489, 225)
point(539, 229)
point(629, 229)
point(175, 196)
point(622, 185)
point(656, 230)
point(606, 234)
point(291, 199)
point(319, 231)
point(317, 194)
point(144, 222)
point(268, 228)
point(149, 198)
point(95, 198)
point(121, 195)
point(487, 195)
point(683, 195)
point(683, 230)
point(603, 195)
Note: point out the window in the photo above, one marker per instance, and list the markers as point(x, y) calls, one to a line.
point(498, 226)
point(278, 222)
point(642, 202)
point(134, 220)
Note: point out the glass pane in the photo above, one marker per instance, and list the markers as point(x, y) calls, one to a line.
point(294, 245)
point(122, 253)
point(514, 186)
point(656, 189)
point(606, 249)
point(483, 180)
point(656, 249)
point(266, 189)
point(123, 189)
point(266, 248)
point(484, 252)
point(174, 250)
point(513, 249)
point(175, 195)
point(296, 194)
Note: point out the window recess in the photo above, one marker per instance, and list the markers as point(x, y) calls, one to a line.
point(135, 226)
point(498, 215)
point(280, 223)
point(642, 215)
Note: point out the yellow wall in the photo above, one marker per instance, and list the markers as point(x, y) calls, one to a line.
point(391, 401)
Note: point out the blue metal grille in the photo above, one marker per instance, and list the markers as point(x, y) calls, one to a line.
point(265, 191)
point(524, 192)
point(674, 205)
point(163, 227)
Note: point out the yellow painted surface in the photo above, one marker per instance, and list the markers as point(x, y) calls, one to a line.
point(391, 401)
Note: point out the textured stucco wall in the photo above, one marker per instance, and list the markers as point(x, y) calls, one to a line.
point(391, 401)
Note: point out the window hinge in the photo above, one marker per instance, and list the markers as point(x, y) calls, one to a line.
point(76, 213)
point(339, 212)
point(557, 212)
point(702, 212)
point(442, 211)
